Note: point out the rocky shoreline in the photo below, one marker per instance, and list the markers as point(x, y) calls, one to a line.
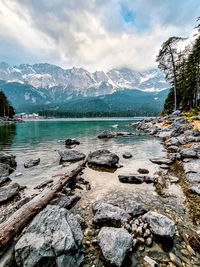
point(119, 235)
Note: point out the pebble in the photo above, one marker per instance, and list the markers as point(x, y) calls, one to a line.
point(175, 259)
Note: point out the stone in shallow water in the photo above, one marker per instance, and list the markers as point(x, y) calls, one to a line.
point(134, 209)
point(8, 159)
point(103, 158)
point(162, 160)
point(127, 155)
point(160, 224)
point(71, 155)
point(54, 234)
point(8, 191)
point(136, 179)
point(106, 134)
point(109, 214)
point(31, 162)
point(70, 142)
point(114, 244)
point(4, 170)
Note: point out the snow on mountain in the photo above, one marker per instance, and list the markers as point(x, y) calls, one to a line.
point(54, 84)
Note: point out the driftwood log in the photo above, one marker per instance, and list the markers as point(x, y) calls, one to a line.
point(18, 220)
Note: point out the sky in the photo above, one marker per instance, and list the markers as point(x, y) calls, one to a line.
point(92, 34)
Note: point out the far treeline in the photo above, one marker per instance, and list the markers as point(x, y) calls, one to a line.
point(182, 70)
point(6, 110)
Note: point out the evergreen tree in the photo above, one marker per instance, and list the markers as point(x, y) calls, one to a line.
point(6, 110)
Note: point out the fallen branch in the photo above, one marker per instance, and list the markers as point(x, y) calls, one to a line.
point(18, 220)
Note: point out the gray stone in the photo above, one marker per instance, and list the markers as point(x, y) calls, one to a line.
point(136, 179)
point(103, 158)
point(8, 191)
point(193, 177)
point(159, 224)
point(66, 202)
point(176, 113)
point(4, 170)
point(127, 155)
point(53, 234)
point(71, 155)
point(109, 214)
point(4, 180)
point(173, 179)
point(114, 244)
point(31, 162)
point(162, 160)
point(124, 133)
point(173, 149)
point(192, 166)
point(8, 159)
point(106, 134)
point(164, 166)
point(134, 208)
point(71, 142)
point(195, 189)
point(173, 142)
point(188, 153)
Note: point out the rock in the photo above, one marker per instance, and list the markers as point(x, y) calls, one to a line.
point(159, 224)
point(103, 158)
point(71, 155)
point(31, 162)
point(188, 153)
point(176, 113)
point(143, 171)
point(173, 149)
point(148, 262)
point(172, 142)
point(114, 244)
point(4, 170)
point(164, 166)
point(134, 209)
point(135, 179)
point(175, 259)
point(192, 166)
point(124, 133)
point(4, 180)
point(162, 160)
point(149, 241)
point(106, 134)
point(80, 220)
point(66, 202)
point(109, 214)
point(71, 142)
point(173, 179)
point(43, 184)
point(193, 177)
point(8, 159)
point(8, 191)
point(195, 189)
point(127, 155)
point(53, 235)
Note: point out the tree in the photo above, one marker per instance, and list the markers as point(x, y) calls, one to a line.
point(6, 110)
point(167, 58)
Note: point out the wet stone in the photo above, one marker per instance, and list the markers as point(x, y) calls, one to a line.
point(134, 209)
point(71, 155)
point(127, 155)
point(103, 158)
point(66, 201)
point(9, 191)
point(31, 163)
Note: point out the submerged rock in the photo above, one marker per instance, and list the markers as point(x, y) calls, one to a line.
point(109, 214)
point(134, 209)
point(114, 244)
point(124, 133)
point(71, 155)
point(103, 158)
point(127, 155)
point(136, 179)
point(71, 142)
point(31, 162)
point(160, 224)
point(54, 235)
point(8, 191)
point(106, 134)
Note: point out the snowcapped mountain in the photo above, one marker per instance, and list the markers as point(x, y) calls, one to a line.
point(49, 84)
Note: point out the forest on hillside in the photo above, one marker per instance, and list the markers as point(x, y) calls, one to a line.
point(182, 70)
point(6, 110)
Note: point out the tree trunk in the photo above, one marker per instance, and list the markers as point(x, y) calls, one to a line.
point(18, 220)
point(174, 75)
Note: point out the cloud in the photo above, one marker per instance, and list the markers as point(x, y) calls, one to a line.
point(94, 34)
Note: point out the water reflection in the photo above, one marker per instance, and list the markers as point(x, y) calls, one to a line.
point(7, 135)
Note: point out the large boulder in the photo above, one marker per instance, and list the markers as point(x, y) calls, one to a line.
point(31, 163)
point(106, 134)
point(8, 159)
point(71, 155)
point(134, 208)
point(108, 214)
point(54, 235)
point(114, 244)
point(9, 191)
point(103, 158)
point(159, 224)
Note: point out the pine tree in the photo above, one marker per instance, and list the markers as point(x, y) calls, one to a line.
point(6, 110)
